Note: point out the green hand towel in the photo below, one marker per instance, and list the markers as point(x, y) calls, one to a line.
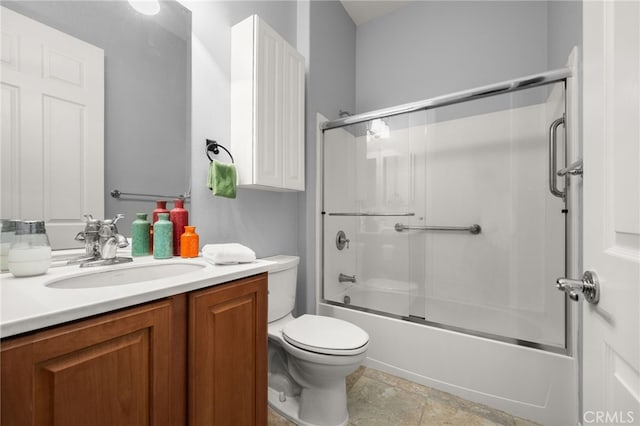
point(222, 179)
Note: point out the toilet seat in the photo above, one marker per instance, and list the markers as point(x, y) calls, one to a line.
point(325, 335)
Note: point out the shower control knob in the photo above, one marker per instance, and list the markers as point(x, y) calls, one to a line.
point(589, 286)
point(342, 240)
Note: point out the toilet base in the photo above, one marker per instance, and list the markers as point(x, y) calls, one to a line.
point(290, 408)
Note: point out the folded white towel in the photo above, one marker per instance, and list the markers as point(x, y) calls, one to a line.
point(224, 254)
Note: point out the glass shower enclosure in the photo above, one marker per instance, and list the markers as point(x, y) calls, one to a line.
point(444, 216)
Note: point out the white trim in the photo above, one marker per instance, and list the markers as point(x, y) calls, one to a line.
point(320, 119)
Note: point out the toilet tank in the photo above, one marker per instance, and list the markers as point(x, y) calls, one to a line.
point(283, 276)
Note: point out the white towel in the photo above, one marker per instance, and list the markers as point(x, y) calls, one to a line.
point(224, 254)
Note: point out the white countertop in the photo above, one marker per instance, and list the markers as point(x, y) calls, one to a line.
point(28, 304)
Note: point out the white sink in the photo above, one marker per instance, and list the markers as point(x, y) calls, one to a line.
point(123, 276)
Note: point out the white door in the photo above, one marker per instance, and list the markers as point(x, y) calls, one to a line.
point(52, 148)
point(611, 143)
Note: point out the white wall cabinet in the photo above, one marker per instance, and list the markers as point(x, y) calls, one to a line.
point(267, 108)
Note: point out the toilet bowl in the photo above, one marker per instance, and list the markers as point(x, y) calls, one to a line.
point(309, 356)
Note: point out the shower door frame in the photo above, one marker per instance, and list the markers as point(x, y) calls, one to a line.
point(561, 75)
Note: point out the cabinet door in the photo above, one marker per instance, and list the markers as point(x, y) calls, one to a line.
point(228, 354)
point(267, 143)
point(293, 119)
point(116, 369)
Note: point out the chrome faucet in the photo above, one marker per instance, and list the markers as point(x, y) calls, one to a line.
point(89, 236)
point(109, 238)
point(343, 278)
point(101, 241)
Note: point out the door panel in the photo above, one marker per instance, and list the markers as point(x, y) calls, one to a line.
point(117, 369)
point(53, 127)
point(228, 354)
point(611, 366)
point(268, 107)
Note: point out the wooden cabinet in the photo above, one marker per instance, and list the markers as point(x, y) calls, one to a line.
point(198, 358)
point(227, 354)
point(267, 108)
point(120, 368)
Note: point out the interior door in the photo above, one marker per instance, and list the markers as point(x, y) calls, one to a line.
point(611, 135)
point(52, 148)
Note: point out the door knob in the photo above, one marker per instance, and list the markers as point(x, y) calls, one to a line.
point(589, 286)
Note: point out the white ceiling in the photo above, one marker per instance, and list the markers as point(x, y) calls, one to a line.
point(362, 11)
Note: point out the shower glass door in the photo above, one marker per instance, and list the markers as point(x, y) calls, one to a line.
point(369, 187)
point(449, 217)
point(487, 165)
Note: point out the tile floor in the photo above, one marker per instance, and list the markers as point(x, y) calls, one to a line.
point(379, 399)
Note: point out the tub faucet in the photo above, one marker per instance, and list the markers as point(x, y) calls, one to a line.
point(343, 278)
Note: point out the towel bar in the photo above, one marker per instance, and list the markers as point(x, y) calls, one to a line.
point(370, 214)
point(213, 147)
point(117, 194)
point(474, 229)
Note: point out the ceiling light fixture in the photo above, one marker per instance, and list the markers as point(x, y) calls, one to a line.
point(146, 7)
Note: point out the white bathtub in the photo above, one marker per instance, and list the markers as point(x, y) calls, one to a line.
point(394, 298)
point(526, 382)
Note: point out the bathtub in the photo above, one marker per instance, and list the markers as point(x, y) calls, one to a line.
point(396, 299)
point(527, 382)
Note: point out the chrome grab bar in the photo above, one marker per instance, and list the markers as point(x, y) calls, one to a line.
point(117, 194)
point(371, 214)
point(473, 229)
point(574, 169)
point(553, 157)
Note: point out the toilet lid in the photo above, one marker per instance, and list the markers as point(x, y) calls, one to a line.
point(325, 335)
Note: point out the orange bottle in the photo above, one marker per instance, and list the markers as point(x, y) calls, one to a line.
point(189, 242)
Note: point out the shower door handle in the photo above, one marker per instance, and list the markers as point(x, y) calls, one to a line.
point(553, 157)
point(589, 286)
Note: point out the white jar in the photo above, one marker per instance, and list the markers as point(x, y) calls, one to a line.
point(7, 233)
point(30, 252)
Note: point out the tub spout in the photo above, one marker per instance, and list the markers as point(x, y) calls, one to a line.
point(343, 278)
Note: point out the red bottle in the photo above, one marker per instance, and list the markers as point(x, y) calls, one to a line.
point(161, 207)
point(180, 218)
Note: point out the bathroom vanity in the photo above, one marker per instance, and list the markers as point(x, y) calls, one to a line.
point(196, 355)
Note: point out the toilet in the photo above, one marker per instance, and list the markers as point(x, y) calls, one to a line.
point(309, 356)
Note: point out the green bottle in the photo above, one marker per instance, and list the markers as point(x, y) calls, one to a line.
point(140, 235)
point(163, 237)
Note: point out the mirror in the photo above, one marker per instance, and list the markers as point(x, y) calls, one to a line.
point(147, 94)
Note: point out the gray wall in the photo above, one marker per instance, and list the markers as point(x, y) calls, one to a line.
point(433, 48)
point(565, 30)
point(268, 222)
point(147, 96)
point(330, 88)
point(422, 50)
